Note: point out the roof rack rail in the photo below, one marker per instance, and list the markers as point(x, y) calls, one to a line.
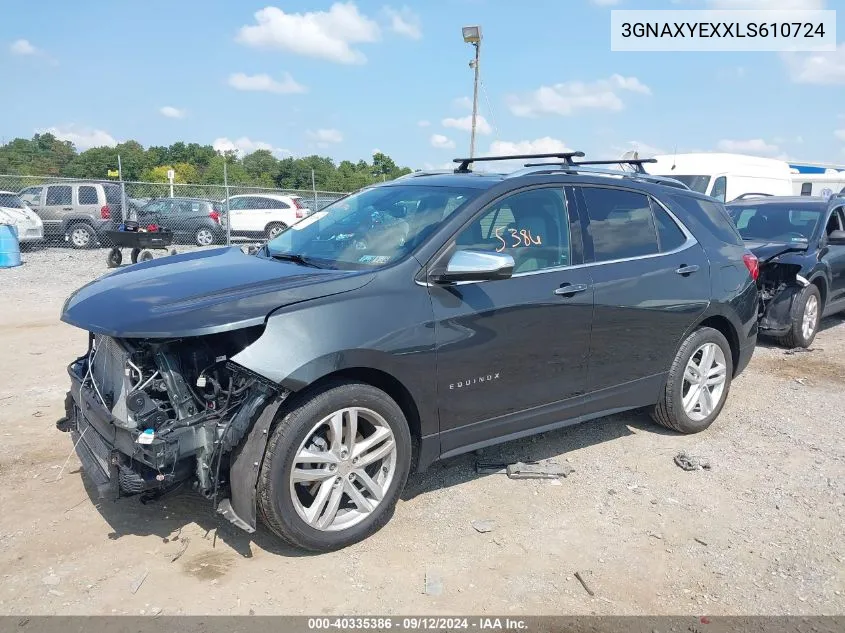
point(587, 168)
point(463, 167)
point(743, 196)
point(636, 162)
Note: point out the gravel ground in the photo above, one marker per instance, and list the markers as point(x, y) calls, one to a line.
point(759, 533)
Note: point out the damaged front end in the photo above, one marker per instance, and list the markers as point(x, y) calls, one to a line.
point(780, 282)
point(149, 415)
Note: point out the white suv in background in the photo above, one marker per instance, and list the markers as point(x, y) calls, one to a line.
point(264, 215)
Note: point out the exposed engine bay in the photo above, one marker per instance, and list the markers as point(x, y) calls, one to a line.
point(779, 283)
point(149, 415)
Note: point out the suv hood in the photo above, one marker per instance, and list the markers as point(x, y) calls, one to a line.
point(769, 250)
point(199, 293)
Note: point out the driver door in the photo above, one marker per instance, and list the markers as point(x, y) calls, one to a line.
point(512, 353)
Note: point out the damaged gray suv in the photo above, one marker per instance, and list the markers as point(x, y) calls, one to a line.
point(409, 322)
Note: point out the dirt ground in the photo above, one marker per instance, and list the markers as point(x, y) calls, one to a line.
point(761, 532)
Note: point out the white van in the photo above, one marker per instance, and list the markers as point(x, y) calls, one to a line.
point(831, 182)
point(726, 177)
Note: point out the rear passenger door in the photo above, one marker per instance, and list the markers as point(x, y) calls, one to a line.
point(87, 201)
point(651, 282)
point(834, 256)
point(58, 202)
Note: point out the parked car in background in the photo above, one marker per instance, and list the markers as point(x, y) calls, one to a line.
point(78, 212)
point(726, 176)
point(406, 323)
point(264, 215)
point(192, 220)
point(800, 244)
point(17, 213)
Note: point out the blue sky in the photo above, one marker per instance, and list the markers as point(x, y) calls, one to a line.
point(343, 79)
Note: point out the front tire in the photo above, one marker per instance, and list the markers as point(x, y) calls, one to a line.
point(698, 383)
point(805, 316)
point(334, 468)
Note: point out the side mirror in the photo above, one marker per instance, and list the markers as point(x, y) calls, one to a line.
point(836, 238)
point(476, 266)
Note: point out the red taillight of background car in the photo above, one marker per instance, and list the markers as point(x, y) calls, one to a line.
point(214, 216)
point(299, 208)
point(752, 264)
point(105, 212)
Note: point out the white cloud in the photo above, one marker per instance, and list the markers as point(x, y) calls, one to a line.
point(442, 142)
point(423, 123)
point(465, 124)
point(325, 136)
point(463, 102)
point(840, 134)
point(244, 146)
point(644, 150)
point(404, 22)
point(826, 68)
point(544, 145)
point(265, 83)
point(82, 137)
point(328, 35)
point(755, 146)
point(786, 5)
point(23, 47)
point(567, 98)
point(172, 113)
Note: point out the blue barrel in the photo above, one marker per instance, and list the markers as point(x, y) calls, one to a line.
point(10, 248)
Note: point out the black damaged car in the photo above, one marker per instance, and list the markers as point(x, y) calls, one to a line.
point(800, 244)
point(406, 323)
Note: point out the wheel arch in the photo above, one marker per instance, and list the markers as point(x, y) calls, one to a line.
point(819, 280)
point(722, 324)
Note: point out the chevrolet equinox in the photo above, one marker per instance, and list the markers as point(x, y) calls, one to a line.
point(406, 323)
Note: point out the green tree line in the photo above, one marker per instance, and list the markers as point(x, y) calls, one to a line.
point(45, 155)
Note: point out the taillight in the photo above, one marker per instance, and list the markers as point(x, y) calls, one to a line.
point(296, 203)
point(752, 264)
point(215, 216)
point(105, 212)
point(299, 213)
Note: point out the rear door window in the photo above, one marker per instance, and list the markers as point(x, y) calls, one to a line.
point(87, 195)
point(669, 234)
point(713, 216)
point(59, 195)
point(621, 223)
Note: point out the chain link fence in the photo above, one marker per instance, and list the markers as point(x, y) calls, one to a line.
point(81, 214)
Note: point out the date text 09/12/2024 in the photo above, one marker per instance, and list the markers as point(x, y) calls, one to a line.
point(416, 624)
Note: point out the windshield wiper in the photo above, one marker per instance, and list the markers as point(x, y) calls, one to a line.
point(296, 258)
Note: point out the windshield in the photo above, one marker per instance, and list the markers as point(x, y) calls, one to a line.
point(696, 183)
point(10, 201)
point(371, 228)
point(776, 222)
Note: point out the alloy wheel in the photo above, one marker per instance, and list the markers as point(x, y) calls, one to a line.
point(811, 317)
point(704, 381)
point(343, 469)
point(205, 237)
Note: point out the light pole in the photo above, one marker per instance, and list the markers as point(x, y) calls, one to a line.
point(472, 35)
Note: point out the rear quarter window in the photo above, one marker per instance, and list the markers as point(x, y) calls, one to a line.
point(112, 194)
point(713, 216)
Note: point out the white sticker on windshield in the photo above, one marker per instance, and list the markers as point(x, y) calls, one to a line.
point(374, 259)
point(309, 220)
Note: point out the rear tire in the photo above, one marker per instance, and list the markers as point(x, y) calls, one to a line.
point(703, 362)
point(286, 496)
point(273, 229)
point(133, 256)
point(805, 317)
point(145, 256)
point(204, 237)
point(81, 236)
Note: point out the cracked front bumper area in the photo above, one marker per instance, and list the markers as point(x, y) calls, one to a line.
point(110, 456)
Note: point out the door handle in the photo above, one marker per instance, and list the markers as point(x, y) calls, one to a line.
point(567, 290)
point(67, 208)
point(687, 270)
